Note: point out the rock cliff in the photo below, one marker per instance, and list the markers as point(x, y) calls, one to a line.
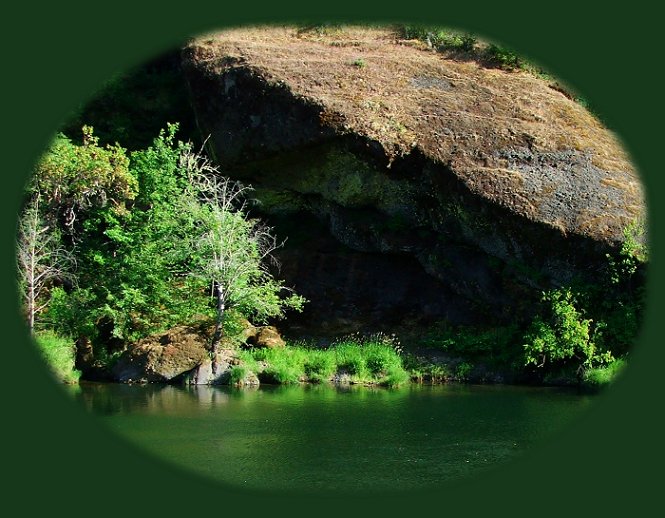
point(410, 186)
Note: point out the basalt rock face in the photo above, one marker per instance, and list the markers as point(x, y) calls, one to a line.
point(410, 187)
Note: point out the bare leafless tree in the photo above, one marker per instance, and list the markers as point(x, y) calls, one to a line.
point(41, 260)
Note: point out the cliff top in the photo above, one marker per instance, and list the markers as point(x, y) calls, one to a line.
point(508, 135)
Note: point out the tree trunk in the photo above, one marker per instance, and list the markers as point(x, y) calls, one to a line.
point(219, 327)
point(31, 308)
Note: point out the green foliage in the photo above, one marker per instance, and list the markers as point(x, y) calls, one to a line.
point(280, 374)
point(562, 335)
point(133, 263)
point(462, 370)
point(135, 256)
point(238, 374)
point(59, 353)
point(123, 214)
point(349, 358)
point(75, 178)
point(616, 302)
point(632, 254)
point(380, 359)
point(68, 313)
point(359, 63)
point(319, 366)
point(453, 40)
point(372, 359)
point(605, 374)
point(468, 46)
point(394, 377)
point(503, 57)
point(437, 373)
point(249, 360)
point(228, 249)
point(587, 326)
point(439, 38)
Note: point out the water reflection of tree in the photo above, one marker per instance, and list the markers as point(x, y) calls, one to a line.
point(150, 399)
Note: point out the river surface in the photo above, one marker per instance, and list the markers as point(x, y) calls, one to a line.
point(320, 438)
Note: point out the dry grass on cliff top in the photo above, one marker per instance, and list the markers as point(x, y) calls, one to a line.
point(405, 96)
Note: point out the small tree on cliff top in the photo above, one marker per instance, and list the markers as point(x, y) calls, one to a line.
point(232, 251)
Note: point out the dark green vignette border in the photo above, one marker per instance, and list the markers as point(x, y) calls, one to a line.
point(56, 457)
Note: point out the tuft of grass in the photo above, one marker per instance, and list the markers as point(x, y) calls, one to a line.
point(280, 374)
point(380, 359)
point(604, 375)
point(320, 366)
point(59, 353)
point(395, 376)
point(349, 358)
point(238, 374)
point(250, 360)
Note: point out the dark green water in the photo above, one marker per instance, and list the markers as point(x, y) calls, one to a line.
point(327, 438)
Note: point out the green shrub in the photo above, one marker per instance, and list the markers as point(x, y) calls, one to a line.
point(618, 302)
point(462, 370)
point(562, 335)
point(450, 40)
point(59, 354)
point(372, 359)
point(604, 375)
point(502, 57)
point(438, 373)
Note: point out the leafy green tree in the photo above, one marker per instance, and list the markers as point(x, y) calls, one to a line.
point(72, 179)
point(232, 251)
point(133, 262)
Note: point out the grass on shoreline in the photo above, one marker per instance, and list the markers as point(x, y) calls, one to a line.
point(372, 360)
point(59, 354)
